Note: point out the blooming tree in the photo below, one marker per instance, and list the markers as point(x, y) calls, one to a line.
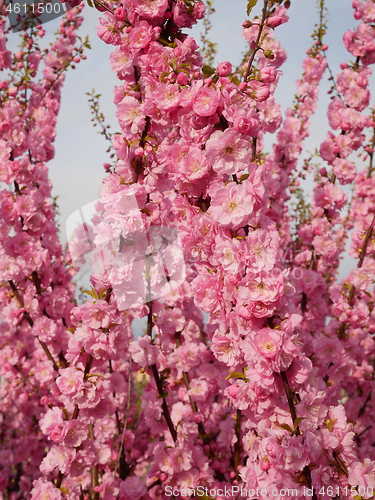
point(273, 394)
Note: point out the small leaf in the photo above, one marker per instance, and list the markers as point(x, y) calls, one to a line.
point(236, 375)
point(287, 428)
point(208, 71)
point(163, 396)
point(90, 4)
point(163, 75)
point(297, 422)
point(330, 424)
point(244, 177)
point(64, 490)
point(92, 293)
point(250, 6)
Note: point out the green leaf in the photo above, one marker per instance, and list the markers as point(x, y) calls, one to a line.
point(163, 75)
point(163, 396)
point(250, 6)
point(208, 71)
point(64, 490)
point(297, 422)
point(330, 424)
point(236, 375)
point(287, 428)
point(92, 293)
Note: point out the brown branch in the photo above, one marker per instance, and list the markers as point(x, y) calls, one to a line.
point(31, 323)
point(360, 262)
point(94, 470)
point(252, 57)
point(164, 406)
point(292, 409)
point(124, 468)
point(186, 379)
point(237, 445)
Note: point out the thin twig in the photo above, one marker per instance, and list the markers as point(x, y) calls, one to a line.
point(252, 57)
point(126, 418)
point(31, 323)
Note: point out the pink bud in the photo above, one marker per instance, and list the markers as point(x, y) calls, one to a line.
point(120, 14)
point(136, 454)
point(15, 166)
point(199, 442)
point(182, 78)
point(232, 474)
point(139, 152)
point(242, 86)
point(224, 69)
point(163, 476)
point(44, 400)
point(77, 59)
point(268, 74)
point(264, 464)
point(114, 456)
point(12, 91)
point(197, 418)
point(4, 126)
point(275, 21)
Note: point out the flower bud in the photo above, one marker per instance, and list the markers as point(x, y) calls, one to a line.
point(120, 14)
point(224, 69)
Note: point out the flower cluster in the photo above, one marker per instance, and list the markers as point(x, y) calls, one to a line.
point(272, 387)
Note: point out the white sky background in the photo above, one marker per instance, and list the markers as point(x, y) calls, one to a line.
point(77, 170)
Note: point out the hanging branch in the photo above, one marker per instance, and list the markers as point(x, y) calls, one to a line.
point(123, 471)
point(31, 323)
point(341, 331)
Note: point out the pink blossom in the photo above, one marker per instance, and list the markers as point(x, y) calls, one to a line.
point(130, 115)
point(45, 491)
point(141, 35)
point(227, 152)
point(132, 488)
point(205, 101)
point(230, 205)
point(143, 352)
point(344, 170)
point(70, 381)
point(268, 342)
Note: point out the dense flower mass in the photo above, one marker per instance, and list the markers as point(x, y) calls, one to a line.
point(272, 388)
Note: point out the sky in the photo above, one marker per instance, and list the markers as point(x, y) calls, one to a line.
point(77, 169)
